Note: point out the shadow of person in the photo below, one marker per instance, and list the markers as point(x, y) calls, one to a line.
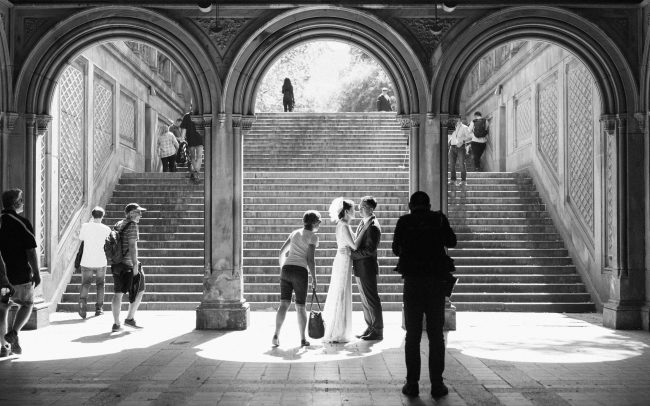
point(361, 347)
point(288, 354)
point(64, 322)
point(100, 338)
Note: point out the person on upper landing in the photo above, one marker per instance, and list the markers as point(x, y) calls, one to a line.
point(383, 101)
point(288, 100)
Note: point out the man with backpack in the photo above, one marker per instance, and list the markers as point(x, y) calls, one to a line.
point(122, 251)
point(479, 129)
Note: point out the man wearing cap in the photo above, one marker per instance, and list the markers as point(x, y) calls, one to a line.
point(383, 101)
point(128, 276)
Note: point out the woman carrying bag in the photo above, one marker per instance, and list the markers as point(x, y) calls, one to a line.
point(294, 276)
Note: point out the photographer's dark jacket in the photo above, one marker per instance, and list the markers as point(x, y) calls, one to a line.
point(419, 241)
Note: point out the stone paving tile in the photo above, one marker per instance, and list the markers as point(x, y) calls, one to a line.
point(492, 359)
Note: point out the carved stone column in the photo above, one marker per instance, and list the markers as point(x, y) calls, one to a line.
point(223, 305)
point(626, 284)
point(6, 128)
point(36, 126)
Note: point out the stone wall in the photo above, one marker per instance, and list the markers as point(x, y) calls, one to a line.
point(544, 111)
point(107, 111)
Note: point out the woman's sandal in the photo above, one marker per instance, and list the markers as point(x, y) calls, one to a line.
point(275, 341)
point(304, 343)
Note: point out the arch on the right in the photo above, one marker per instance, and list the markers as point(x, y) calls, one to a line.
point(623, 206)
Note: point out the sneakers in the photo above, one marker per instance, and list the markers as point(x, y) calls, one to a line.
point(131, 323)
point(82, 308)
point(458, 183)
point(12, 338)
point(462, 183)
point(411, 389)
point(5, 350)
point(439, 390)
point(116, 328)
point(99, 312)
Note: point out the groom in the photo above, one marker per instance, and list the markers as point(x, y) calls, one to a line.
point(366, 268)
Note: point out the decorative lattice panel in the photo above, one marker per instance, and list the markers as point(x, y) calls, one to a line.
point(580, 141)
point(547, 127)
point(71, 141)
point(42, 204)
point(127, 120)
point(610, 197)
point(103, 119)
point(523, 121)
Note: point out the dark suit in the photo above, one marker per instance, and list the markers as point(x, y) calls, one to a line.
point(366, 268)
point(383, 103)
point(419, 241)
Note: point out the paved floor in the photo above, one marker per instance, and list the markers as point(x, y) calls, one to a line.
point(513, 359)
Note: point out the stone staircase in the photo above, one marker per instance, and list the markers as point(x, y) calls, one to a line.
point(295, 162)
point(509, 255)
point(171, 245)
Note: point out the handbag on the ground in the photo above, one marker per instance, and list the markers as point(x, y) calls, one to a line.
point(316, 327)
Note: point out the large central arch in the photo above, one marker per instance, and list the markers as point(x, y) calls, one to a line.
point(325, 22)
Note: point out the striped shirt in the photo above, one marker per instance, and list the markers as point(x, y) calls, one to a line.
point(167, 145)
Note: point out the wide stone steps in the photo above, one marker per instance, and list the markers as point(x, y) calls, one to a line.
point(171, 246)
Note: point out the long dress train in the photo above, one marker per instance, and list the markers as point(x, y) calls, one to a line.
point(337, 313)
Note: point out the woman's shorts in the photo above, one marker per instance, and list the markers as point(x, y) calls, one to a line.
point(294, 279)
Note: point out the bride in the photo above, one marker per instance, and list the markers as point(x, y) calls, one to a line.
point(337, 314)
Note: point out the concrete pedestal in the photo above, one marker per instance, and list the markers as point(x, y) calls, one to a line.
point(622, 316)
point(39, 318)
point(223, 316)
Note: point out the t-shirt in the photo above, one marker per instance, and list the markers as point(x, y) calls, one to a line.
point(130, 233)
point(93, 235)
point(16, 238)
point(193, 137)
point(301, 239)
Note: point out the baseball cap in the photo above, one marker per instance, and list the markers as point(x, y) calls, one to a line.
point(133, 206)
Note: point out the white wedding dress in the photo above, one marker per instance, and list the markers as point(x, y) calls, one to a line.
point(337, 314)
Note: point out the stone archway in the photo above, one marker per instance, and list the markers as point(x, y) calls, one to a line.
point(622, 262)
point(223, 305)
point(6, 120)
point(49, 57)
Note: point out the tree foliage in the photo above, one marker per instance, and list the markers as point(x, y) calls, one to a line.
point(326, 77)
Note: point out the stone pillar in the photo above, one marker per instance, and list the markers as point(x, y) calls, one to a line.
point(623, 309)
point(36, 126)
point(429, 160)
point(223, 306)
point(447, 121)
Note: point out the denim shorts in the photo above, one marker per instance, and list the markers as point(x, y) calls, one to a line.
point(23, 295)
point(294, 279)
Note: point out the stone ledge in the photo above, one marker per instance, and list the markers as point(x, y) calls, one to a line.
point(39, 318)
point(223, 316)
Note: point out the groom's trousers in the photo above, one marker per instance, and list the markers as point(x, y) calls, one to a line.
point(370, 301)
point(424, 296)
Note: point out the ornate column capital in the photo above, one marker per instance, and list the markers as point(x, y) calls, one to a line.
point(415, 121)
point(207, 120)
point(640, 119)
point(236, 120)
point(430, 117)
point(404, 121)
point(247, 122)
point(42, 124)
point(449, 119)
point(611, 122)
point(11, 119)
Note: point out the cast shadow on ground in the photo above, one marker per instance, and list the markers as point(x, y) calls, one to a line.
point(101, 337)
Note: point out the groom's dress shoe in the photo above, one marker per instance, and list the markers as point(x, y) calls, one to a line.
point(373, 336)
point(365, 333)
point(411, 389)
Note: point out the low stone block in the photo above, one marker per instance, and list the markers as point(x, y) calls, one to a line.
point(223, 316)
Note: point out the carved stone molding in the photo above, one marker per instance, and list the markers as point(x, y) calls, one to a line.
point(42, 123)
point(415, 121)
point(31, 26)
point(230, 27)
point(640, 119)
point(421, 30)
point(247, 122)
point(199, 122)
point(447, 120)
point(430, 117)
point(236, 120)
point(11, 121)
point(405, 122)
point(207, 120)
point(221, 119)
point(611, 122)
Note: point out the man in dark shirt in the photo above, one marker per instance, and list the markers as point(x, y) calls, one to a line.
point(383, 101)
point(194, 144)
point(18, 249)
point(419, 241)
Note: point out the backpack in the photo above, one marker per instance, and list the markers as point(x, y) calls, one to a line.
point(113, 246)
point(480, 128)
point(181, 154)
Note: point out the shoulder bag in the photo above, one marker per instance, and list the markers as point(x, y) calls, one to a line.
point(316, 327)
